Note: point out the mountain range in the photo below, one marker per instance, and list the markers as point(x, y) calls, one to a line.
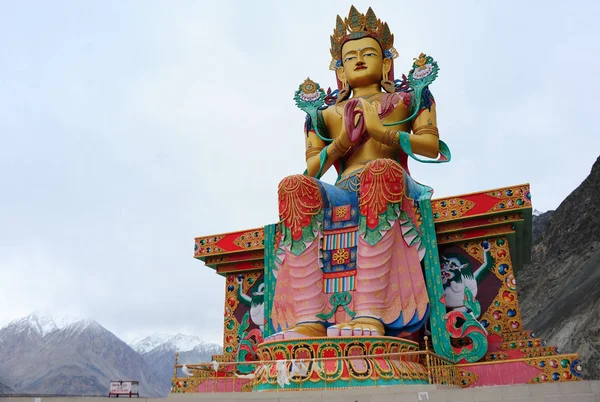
point(43, 356)
point(558, 292)
point(158, 352)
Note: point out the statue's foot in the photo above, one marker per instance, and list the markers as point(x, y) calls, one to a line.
point(361, 326)
point(301, 330)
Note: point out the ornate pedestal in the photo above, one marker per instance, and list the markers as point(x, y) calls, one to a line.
point(487, 234)
point(339, 362)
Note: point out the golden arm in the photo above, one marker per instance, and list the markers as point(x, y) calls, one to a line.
point(314, 147)
point(424, 139)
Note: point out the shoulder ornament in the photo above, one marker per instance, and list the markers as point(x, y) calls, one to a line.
point(310, 98)
point(422, 74)
point(424, 71)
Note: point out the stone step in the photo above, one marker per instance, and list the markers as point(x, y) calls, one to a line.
point(580, 391)
point(517, 336)
point(521, 353)
point(521, 344)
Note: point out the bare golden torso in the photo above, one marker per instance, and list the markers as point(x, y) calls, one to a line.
point(371, 149)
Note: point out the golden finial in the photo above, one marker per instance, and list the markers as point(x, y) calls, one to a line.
point(421, 60)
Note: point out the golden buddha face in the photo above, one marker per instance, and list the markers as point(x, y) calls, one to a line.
point(363, 63)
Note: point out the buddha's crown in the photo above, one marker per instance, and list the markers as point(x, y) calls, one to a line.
point(358, 26)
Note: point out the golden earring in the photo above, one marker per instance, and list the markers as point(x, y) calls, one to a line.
point(388, 85)
point(344, 92)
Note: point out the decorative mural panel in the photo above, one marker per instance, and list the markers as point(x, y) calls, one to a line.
point(244, 316)
point(485, 267)
point(470, 268)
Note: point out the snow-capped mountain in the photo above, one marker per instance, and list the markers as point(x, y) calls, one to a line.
point(59, 354)
point(43, 324)
point(177, 342)
point(148, 343)
point(158, 351)
point(162, 357)
point(45, 355)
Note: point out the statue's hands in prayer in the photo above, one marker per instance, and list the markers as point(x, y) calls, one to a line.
point(344, 137)
point(373, 124)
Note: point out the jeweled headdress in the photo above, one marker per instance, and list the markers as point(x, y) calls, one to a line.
point(358, 26)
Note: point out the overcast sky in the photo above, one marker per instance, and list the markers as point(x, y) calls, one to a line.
point(128, 128)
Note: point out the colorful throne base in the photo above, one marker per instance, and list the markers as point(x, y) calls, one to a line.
point(474, 228)
point(340, 362)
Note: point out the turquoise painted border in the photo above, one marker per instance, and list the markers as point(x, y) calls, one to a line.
point(270, 280)
point(321, 384)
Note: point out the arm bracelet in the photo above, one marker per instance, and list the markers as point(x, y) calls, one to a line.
point(390, 138)
point(310, 152)
point(427, 129)
point(338, 147)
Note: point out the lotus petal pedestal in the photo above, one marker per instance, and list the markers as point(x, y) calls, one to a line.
point(339, 362)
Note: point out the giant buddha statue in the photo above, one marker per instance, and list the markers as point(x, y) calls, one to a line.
point(350, 288)
point(348, 257)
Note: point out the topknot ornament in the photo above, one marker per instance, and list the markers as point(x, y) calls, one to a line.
point(357, 26)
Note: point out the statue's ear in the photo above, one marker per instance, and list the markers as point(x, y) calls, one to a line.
point(341, 74)
point(464, 266)
point(387, 67)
